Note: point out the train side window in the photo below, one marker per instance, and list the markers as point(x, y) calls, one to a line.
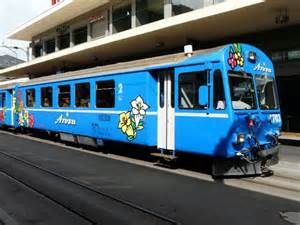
point(105, 94)
point(30, 97)
point(83, 95)
point(2, 100)
point(64, 96)
point(172, 90)
point(189, 84)
point(219, 94)
point(161, 91)
point(47, 97)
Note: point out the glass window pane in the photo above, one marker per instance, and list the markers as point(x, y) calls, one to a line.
point(218, 1)
point(121, 16)
point(46, 97)
point(189, 84)
point(182, 6)
point(99, 25)
point(242, 91)
point(64, 41)
point(64, 96)
point(148, 11)
point(219, 95)
point(105, 94)
point(50, 46)
point(172, 90)
point(83, 95)
point(266, 91)
point(2, 100)
point(38, 50)
point(80, 35)
point(30, 97)
point(161, 91)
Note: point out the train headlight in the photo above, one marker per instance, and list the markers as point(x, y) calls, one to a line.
point(240, 140)
point(252, 57)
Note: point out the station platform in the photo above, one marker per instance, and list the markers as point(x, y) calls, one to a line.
point(181, 198)
point(290, 136)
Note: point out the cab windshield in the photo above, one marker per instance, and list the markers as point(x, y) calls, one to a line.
point(266, 91)
point(242, 91)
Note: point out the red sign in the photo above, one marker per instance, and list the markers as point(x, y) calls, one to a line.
point(53, 2)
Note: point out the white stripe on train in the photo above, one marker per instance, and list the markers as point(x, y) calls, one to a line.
point(181, 114)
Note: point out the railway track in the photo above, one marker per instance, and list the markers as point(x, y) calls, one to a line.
point(94, 206)
point(284, 184)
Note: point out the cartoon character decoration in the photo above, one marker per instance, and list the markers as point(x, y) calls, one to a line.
point(133, 121)
point(24, 118)
point(236, 57)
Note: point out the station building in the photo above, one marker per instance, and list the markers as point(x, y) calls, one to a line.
point(78, 34)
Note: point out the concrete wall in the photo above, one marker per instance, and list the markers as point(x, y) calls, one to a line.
point(84, 20)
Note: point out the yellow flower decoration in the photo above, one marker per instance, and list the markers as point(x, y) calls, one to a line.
point(26, 116)
point(14, 104)
point(130, 132)
point(20, 106)
point(124, 122)
point(132, 121)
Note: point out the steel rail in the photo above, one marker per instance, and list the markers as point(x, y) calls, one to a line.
point(77, 183)
point(47, 197)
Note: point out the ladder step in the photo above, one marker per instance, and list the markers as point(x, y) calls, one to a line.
point(165, 156)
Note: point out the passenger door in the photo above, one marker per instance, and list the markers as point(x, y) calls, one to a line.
point(193, 120)
point(165, 117)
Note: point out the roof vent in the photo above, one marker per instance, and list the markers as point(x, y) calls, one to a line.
point(188, 50)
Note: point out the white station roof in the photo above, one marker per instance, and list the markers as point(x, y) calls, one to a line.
point(56, 15)
point(220, 21)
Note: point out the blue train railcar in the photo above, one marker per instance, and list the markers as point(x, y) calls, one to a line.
point(220, 102)
point(91, 108)
point(7, 105)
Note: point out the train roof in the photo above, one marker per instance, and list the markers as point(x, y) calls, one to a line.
point(152, 63)
point(8, 86)
point(136, 65)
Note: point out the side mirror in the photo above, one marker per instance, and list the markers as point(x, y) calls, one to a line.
point(203, 96)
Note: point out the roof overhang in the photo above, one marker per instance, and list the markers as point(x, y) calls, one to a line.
point(56, 15)
point(220, 21)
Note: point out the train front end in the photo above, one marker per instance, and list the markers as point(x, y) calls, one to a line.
point(256, 119)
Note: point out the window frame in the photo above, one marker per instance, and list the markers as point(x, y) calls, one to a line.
point(275, 92)
point(38, 50)
point(41, 91)
point(205, 73)
point(216, 72)
point(186, 10)
point(26, 95)
point(2, 97)
point(61, 37)
point(59, 93)
point(102, 17)
point(46, 50)
point(140, 12)
point(90, 94)
point(237, 73)
point(117, 7)
point(77, 30)
point(114, 93)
